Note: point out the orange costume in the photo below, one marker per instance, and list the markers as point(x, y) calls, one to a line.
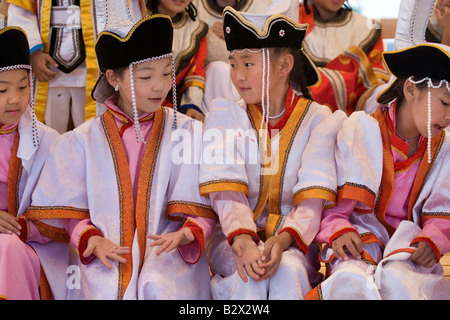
point(347, 51)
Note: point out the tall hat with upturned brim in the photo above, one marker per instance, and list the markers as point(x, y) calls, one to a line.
point(276, 27)
point(270, 29)
point(414, 58)
point(148, 39)
point(15, 54)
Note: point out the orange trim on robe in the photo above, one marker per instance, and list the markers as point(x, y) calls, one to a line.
point(189, 208)
point(359, 193)
point(123, 177)
point(14, 174)
point(387, 180)
point(145, 181)
point(223, 185)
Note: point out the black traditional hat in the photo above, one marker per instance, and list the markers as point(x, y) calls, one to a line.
point(428, 60)
point(266, 30)
point(15, 54)
point(149, 38)
point(15, 50)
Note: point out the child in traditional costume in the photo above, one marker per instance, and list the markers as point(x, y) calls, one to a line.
point(61, 36)
point(217, 72)
point(390, 227)
point(269, 209)
point(118, 182)
point(189, 50)
point(24, 144)
point(347, 48)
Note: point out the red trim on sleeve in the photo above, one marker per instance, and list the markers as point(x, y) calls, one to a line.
point(298, 239)
point(82, 244)
point(25, 231)
point(431, 243)
point(197, 231)
point(242, 231)
point(340, 232)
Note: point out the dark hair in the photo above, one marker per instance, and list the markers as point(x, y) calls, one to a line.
point(191, 10)
point(396, 91)
point(305, 4)
point(297, 75)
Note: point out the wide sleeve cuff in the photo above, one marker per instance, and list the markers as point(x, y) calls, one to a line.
point(431, 243)
point(191, 252)
point(25, 228)
point(237, 232)
point(83, 242)
point(340, 232)
point(301, 244)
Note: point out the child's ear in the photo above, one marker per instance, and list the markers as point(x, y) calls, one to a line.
point(112, 78)
point(287, 63)
point(408, 90)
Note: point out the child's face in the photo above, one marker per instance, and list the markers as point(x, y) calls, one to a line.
point(172, 7)
point(152, 83)
point(14, 95)
point(331, 6)
point(440, 110)
point(246, 75)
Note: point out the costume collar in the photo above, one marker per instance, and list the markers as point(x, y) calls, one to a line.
point(111, 104)
point(7, 129)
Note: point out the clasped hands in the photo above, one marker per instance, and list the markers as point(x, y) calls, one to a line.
point(254, 264)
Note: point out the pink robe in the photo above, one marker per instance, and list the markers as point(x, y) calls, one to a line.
point(392, 201)
point(20, 268)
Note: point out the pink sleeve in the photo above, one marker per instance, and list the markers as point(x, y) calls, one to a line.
point(235, 214)
point(202, 229)
point(303, 222)
point(80, 231)
point(335, 221)
point(34, 235)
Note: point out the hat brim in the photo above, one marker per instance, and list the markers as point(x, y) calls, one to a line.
point(102, 89)
point(277, 31)
point(420, 61)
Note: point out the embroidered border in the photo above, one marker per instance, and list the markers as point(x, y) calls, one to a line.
point(125, 194)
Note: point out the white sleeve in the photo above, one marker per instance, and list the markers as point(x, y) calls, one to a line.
point(18, 16)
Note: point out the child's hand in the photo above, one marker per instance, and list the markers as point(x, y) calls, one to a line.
point(39, 62)
point(424, 255)
point(195, 114)
point(170, 241)
point(350, 241)
point(273, 250)
point(105, 249)
point(9, 224)
point(217, 29)
point(247, 257)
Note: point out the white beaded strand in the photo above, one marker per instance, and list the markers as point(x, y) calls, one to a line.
point(31, 80)
point(34, 129)
point(430, 85)
point(174, 94)
point(137, 126)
